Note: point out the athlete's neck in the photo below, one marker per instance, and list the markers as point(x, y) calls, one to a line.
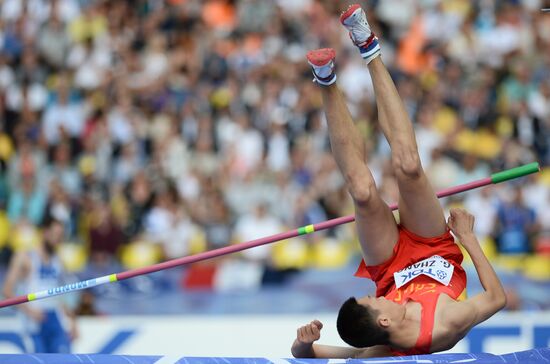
point(404, 332)
point(46, 252)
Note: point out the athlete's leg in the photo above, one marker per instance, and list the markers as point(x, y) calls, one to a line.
point(375, 223)
point(419, 208)
point(38, 345)
point(39, 338)
point(58, 339)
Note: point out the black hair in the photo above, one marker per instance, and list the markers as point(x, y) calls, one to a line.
point(357, 325)
point(50, 221)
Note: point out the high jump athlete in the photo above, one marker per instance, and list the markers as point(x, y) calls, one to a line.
point(419, 306)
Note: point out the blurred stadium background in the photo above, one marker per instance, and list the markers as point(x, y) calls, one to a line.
point(157, 129)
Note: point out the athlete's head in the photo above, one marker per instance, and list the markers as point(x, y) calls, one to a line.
point(52, 231)
point(366, 322)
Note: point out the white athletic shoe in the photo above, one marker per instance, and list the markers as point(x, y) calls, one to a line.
point(355, 21)
point(322, 65)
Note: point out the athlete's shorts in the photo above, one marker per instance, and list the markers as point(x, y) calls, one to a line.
point(409, 249)
point(51, 337)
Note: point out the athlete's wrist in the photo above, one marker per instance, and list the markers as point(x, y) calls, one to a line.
point(467, 235)
point(301, 349)
point(468, 241)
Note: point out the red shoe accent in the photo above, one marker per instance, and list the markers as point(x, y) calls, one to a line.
point(346, 14)
point(365, 43)
point(321, 57)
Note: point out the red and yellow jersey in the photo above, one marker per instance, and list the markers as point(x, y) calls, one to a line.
point(407, 253)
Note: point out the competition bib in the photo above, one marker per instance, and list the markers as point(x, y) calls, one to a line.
point(434, 267)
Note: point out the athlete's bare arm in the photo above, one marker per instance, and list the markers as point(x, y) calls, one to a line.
point(17, 271)
point(17, 267)
point(304, 346)
point(466, 314)
point(73, 327)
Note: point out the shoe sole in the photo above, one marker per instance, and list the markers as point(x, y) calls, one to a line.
point(321, 57)
point(349, 12)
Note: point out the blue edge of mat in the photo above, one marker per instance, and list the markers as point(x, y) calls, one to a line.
point(530, 356)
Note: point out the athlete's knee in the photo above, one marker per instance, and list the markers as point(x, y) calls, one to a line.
point(361, 187)
point(406, 164)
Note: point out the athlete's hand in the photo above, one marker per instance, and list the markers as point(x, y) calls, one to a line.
point(305, 337)
point(73, 330)
point(309, 333)
point(34, 314)
point(461, 223)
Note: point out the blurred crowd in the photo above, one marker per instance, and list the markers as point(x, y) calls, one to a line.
point(156, 129)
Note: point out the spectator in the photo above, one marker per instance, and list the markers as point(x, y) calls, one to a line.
point(140, 198)
point(178, 238)
point(26, 163)
point(516, 225)
point(255, 225)
point(61, 208)
point(28, 202)
point(105, 235)
point(485, 205)
point(53, 42)
point(64, 118)
point(212, 213)
point(63, 169)
point(126, 166)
